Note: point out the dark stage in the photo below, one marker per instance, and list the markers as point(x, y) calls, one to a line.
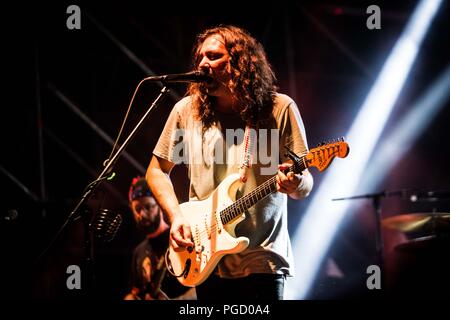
point(68, 91)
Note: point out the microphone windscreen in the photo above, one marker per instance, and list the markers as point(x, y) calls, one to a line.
point(105, 224)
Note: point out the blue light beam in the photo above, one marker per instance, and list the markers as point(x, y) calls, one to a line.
point(323, 217)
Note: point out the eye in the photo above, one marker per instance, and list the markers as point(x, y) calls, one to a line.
point(213, 56)
point(149, 207)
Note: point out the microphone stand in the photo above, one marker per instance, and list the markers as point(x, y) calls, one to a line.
point(376, 201)
point(88, 280)
point(89, 190)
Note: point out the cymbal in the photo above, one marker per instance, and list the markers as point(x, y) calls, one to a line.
point(430, 244)
point(416, 221)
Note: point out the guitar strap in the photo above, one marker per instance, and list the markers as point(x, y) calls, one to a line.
point(248, 146)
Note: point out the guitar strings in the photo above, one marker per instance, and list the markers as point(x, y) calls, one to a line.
point(213, 227)
point(237, 204)
point(241, 202)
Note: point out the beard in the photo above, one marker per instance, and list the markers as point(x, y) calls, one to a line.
point(148, 225)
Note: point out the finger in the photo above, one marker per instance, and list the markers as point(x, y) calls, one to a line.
point(181, 241)
point(178, 245)
point(283, 166)
point(177, 237)
point(281, 176)
point(283, 189)
point(290, 178)
point(280, 183)
point(295, 179)
point(187, 236)
point(287, 186)
point(175, 245)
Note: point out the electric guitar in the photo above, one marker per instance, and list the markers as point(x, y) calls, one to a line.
point(214, 219)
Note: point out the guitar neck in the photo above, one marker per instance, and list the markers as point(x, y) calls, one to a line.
point(155, 285)
point(256, 195)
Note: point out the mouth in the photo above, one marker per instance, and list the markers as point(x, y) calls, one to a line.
point(208, 77)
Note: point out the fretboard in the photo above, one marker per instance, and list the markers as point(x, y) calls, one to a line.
point(259, 193)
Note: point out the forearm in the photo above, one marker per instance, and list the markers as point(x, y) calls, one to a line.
point(162, 189)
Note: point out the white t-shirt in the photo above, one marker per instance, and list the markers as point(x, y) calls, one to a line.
point(212, 156)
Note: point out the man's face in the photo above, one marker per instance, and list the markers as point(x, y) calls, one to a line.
point(145, 211)
point(214, 60)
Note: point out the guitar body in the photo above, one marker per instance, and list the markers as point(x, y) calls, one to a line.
point(214, 219)
point(212, 239)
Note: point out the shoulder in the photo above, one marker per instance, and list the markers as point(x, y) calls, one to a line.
point(184, 105)
point(282, 103)
point(182, 111)
point(282, 99)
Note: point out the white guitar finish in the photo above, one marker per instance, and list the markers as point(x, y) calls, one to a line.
point(214, 219)
point(212, 239)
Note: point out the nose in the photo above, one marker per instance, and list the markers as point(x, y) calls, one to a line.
point(204, 64)
point(142, 212)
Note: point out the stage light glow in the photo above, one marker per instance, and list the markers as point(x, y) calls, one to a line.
point(406, 132)
point(323, 217)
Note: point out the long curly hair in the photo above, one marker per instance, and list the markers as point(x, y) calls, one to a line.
point(252, 79)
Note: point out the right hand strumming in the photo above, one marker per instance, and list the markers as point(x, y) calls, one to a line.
point(180, 234)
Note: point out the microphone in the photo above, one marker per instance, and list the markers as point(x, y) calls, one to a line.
point(105, 225)
point(192, 76)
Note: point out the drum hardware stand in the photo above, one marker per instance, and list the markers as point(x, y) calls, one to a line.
point(376, 202)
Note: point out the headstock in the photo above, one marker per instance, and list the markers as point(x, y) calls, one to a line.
point(321, 156)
